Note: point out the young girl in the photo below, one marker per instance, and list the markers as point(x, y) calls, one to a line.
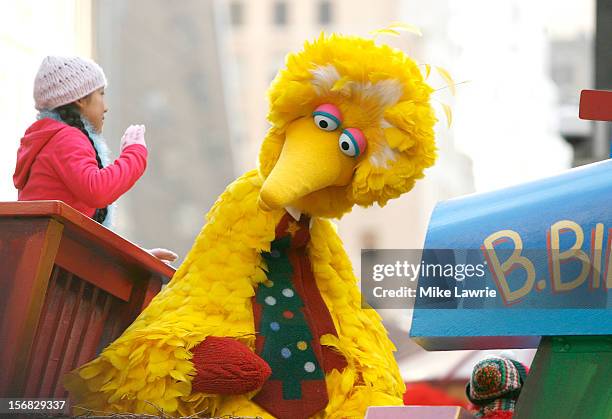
point(62, 155)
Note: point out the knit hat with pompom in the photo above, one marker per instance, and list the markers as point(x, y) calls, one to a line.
point(62, 80)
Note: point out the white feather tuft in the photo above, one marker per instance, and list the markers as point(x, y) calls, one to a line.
point(387, 92)
point(324, 78)
point(382, 157)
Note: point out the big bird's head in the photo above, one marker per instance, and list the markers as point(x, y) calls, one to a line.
point(351, 124)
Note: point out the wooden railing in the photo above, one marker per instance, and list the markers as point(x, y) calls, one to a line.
point(68, 287)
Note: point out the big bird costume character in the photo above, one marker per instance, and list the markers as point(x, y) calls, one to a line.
point(264, 316)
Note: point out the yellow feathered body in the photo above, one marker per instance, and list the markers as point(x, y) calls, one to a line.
point(149, 365)
point(378, 91)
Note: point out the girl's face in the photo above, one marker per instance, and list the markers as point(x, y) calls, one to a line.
point(93, 108)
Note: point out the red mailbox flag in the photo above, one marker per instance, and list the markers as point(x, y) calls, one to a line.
point(596, 105)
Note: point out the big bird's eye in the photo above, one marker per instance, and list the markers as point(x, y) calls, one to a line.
point(352, 142)
point(326, 122)
point(327, 117)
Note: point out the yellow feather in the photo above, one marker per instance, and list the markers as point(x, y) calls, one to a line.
point(158, 355)
point(427, 70)
point(182, 353)
point(385, 32)
point(449, 114)
point(400, 26)
point(178, 375)
point(89, 371)
point(339, 85)
point(448, 79)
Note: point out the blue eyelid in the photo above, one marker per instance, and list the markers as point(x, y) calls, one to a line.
point(330, 116)
point(348, 134)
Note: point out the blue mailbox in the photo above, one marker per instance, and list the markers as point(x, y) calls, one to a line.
point(546, 251)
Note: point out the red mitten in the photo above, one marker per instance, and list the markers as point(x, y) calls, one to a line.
point(226, 366)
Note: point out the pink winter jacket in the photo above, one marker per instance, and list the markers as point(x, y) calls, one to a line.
point(57, 161)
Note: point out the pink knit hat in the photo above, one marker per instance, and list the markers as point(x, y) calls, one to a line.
point(62, 80)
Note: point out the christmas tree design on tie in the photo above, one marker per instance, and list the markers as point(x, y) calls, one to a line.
point(287, 346)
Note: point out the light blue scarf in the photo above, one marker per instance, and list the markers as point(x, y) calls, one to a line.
point(103, 152)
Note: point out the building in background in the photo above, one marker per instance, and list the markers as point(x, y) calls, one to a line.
point(571, 65)
point(163, 66)
point(29, 31)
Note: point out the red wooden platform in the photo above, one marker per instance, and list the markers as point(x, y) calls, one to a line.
point(69, 287)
